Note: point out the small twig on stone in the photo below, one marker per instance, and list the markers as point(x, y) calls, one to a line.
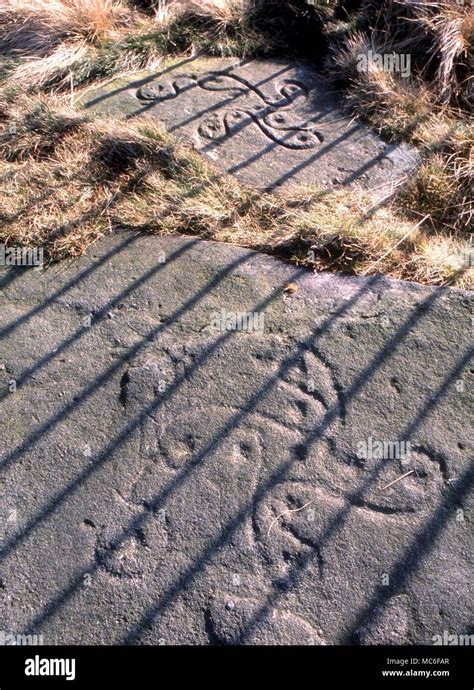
point(397, 480)
point(293, 510)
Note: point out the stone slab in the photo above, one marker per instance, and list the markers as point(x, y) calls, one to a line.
point(165, 480)
point(272, 124)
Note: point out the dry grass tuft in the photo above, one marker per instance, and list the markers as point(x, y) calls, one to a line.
point(79, 41)
point(67, 180)
point(438, 34)
point(443, 186)
point(431, 109)
point(33, 27)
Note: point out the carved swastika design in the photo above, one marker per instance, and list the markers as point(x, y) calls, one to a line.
point(275, 118)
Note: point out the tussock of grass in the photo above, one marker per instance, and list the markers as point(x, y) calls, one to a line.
point(68, 180)
point(431, 109)
point(33, 27)
point(439, 255)
point(33, 128)
point(438, 34)
point(443, 186)
point(74, 42)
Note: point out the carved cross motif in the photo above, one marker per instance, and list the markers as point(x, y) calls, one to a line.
point(275, 118)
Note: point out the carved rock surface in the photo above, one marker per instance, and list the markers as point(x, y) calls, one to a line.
point(271, 123)
point(167, 480)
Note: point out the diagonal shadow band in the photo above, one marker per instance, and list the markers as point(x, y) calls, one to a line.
point(13, 274)
point(190, 572)
point(135, 423)
point(188, 471)
point(68, 592)
point(10, 276)
point(92, 213)
point(144, 108)
point(419, 547)
point(252, 159)
point(100, 313)
point(137, 84)
point(11, 327)
point(356, 173)
point(321, 152)
point(229, 530)
point(356, 499)
point(277, 476)
point(148, 106)
point(225, 102)
point(114, 368)
point(52, 355)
